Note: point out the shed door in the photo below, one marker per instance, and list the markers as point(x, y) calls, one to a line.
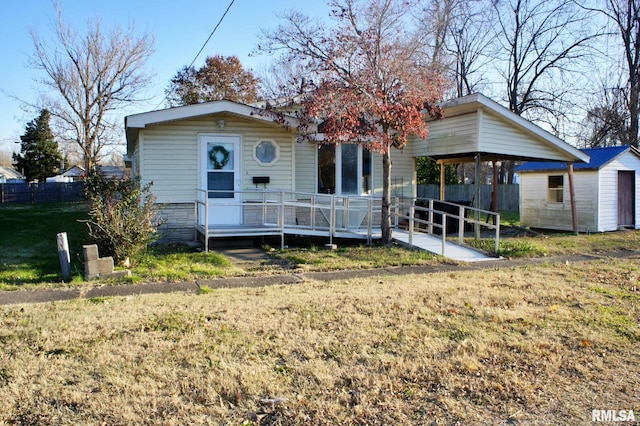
point(626, 198)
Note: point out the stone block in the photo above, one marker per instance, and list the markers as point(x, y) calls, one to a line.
point(99, 267)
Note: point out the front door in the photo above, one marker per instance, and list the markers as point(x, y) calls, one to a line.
point(626, 198)
point(220, 177)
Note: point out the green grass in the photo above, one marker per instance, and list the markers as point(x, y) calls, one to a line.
point(29, 252)
point(29, 255)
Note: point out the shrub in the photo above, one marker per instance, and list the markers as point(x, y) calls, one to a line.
point(122, 220)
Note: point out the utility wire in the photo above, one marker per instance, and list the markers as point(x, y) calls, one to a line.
point(203, 46)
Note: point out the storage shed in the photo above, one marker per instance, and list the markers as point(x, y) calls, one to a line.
point(606, 195)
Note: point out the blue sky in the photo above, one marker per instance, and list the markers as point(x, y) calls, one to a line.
point(180, 28)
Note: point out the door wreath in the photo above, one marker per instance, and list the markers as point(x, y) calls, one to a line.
point(215, 154)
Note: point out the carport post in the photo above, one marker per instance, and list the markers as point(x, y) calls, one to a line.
point(476, 197)
point(572, 196)
point(442, 169)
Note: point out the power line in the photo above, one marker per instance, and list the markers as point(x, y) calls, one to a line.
point(203, 46)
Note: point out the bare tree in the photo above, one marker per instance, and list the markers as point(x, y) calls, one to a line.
point(625, 16)
point(545, 45)
point(607, 119)
point(469, 40)
point(90, 76)
point(6, 159)
point(285, 79)
point(546, 41)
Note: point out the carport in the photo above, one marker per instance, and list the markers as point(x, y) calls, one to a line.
point(477, 129)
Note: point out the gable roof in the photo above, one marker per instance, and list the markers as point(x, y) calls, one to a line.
point(74, 171)
point(136, 122)
point(540, 143)
point(600, 157)
point(10, 173)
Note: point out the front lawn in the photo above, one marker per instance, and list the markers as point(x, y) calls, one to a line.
point(29, 255)
point(512, 346)
point(28, 242)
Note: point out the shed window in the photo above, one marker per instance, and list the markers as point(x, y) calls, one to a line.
point(556, 186)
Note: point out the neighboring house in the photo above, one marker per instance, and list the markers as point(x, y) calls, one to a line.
point(112, 172)
point(226, 169)
point(10, 175)
point(606, 194)
point(75, 173)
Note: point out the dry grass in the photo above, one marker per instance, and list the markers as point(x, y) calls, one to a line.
point(542, 345)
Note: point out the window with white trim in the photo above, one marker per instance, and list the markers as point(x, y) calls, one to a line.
point(344, 169)
point(266, 152)
point(555, 189)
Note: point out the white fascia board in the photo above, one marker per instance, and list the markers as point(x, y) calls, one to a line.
point(517, 120)
point(140, 121)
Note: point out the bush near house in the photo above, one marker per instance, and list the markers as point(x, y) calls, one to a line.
point(122, 220)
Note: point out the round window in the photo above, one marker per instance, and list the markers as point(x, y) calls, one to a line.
point(266, 152)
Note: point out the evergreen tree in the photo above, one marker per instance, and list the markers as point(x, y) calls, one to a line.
point(39, 157)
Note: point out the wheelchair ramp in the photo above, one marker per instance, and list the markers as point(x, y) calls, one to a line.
point(434, 245)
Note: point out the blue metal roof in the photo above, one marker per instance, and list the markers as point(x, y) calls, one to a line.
point(598, 158)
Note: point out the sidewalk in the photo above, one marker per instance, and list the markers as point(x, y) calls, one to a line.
point(53, 295)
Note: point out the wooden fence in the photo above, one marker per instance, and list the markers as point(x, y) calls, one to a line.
point(508, 195)
point(41, 192)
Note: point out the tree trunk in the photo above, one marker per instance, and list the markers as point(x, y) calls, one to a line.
point(634, 107)
point(385, 224)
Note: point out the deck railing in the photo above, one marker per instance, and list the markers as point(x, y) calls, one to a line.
point(265, 212)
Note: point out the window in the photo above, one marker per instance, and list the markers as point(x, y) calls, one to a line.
point(344, 169)
point(556, 186)
point(266, 152)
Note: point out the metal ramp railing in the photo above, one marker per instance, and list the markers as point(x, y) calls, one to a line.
point(266, 212)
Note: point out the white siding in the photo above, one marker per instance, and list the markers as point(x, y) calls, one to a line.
point(450, 136)
point(169, 155)
point(499, 137)
point(403, 178)
point(608, 201)
point(306, 170)
point(537, 212)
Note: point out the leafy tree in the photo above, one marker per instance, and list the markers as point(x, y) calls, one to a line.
point(39, 157)
point(122, 221)
point(91, 77)
point(376, 86)
point(428, 171)
point(219, 78)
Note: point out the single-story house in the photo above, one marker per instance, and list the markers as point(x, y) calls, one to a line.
point(606, 194)
point(11, 175)
point(227, 169)
point(75, 173)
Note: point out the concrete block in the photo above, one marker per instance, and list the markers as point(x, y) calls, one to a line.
point(99, 267)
